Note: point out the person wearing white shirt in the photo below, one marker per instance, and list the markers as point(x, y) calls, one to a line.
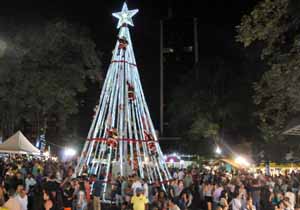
point(236, 203)
point(291, 196)
point(21, 197)
point(181, 175)
point(146, 189)
point(136, 184)
point(175, 175)
point(29, 182)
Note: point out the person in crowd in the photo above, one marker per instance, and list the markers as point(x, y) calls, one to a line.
point(22, 197)
point(2, 197)
point(180, 187)
point(297, 206)
point(118, 190)
point(29, 182)
point(81, 203)
point(18, 180)
point(172, 205)
point(96, 192)
point(136, 184)
point(139, 201)
point(284, 205)
point(12, 203)
point(291, 195)
point(162, 199)
point(255, 193)
point(68, 195)
point(236, 203)
point(87, 188)
point(249, 204)
point(188, 180)
point(223, 201)
point(145, 187)
point(208, 191)
point(184, 201)
point(49, 201)
point(125, 206)
point(216, 194)
point(181, 174)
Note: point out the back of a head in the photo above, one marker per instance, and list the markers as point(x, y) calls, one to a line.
point(11, 192)
point(289, 189)
point(172, 200)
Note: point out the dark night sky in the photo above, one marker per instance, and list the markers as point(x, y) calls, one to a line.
point(217, 19)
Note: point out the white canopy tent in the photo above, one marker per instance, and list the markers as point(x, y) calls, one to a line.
point(18, 144)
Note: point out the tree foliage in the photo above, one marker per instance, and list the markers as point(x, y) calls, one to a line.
point(43, 68)
point(274, 26)
point(214, 107)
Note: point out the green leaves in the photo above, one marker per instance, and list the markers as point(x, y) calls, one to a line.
point(275, 25)
point(44, 69)
point(218, 103)
point(202, 127)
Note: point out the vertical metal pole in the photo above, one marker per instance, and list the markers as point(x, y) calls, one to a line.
point(161, 79)
point(196, 50)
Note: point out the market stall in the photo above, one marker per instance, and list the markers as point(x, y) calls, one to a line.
point(18, 144)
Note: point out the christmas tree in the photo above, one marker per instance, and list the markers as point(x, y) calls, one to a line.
point(122, 138)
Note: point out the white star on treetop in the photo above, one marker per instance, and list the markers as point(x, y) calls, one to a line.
point(125, 16)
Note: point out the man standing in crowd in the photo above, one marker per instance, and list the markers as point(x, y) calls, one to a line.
point(181, 174)
point(136, 184)
point(22, 197)
point(96, 192)
point(139, 201)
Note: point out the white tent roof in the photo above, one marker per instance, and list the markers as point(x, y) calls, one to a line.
point(18, 143)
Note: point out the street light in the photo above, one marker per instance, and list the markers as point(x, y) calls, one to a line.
point(242, 161)
point(70, 152)
point(218, 150)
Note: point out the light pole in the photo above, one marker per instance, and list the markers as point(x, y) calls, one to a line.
point(161, 78)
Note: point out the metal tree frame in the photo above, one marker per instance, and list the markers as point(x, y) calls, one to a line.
point(122, 133)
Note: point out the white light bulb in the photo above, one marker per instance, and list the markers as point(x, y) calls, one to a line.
point(218, 150)
point(69, 152)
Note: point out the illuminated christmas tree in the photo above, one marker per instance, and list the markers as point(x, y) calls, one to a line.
point(122, 138)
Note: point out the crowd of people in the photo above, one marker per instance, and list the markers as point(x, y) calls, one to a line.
point(32, 184)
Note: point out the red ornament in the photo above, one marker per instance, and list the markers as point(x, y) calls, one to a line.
point(112, 142)
point(112, 133)
point(131, 94)
point(151, 147)
point(112, 137)
point(122, 43)
point(148, 136)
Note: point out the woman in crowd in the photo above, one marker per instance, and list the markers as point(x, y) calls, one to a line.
point(81, 203)
point(249, 204)
point(223, 203)
point(162, 199)
point(236, 203)
point(208, 192)
point(184, 201)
